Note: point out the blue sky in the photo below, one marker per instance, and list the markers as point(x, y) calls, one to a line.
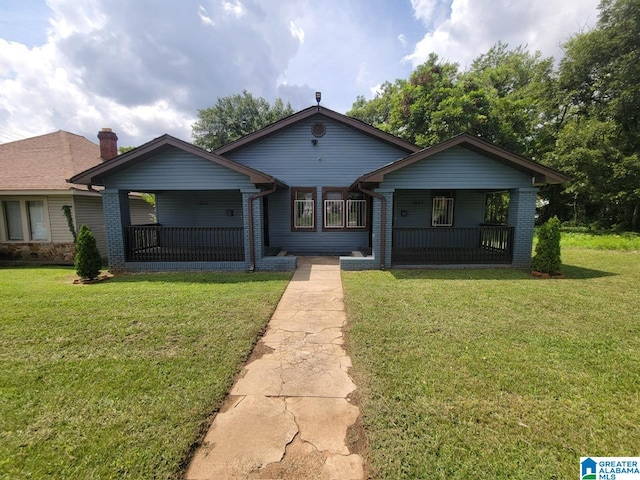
point(145, 67)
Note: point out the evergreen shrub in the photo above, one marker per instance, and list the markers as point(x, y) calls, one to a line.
point(547, 258)
point(87, 261)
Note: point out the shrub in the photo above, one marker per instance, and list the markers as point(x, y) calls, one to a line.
point(87, 261)
point(547, 257)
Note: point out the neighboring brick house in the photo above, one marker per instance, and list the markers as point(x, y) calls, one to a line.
point(319, 182)
point(34, 190)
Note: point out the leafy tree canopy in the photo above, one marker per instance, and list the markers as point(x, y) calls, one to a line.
point(582, 117)
point(235, 116)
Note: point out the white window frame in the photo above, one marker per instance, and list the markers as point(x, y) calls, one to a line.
point(334, 208)
point(442, 211)
point(346, 206)
point(304, 206)
point(361, 213)
point(27, 234)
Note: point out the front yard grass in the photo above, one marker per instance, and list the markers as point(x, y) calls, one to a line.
point(495, 374)
point(116, 379)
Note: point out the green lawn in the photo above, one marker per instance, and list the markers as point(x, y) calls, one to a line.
point(495, 374)
point(117, 379)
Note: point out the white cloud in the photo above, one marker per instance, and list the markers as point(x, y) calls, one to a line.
point(296, 32)
point(424, 9)
point(144, 68)
point(204, 16)
point(234, 8)
point(476, 25)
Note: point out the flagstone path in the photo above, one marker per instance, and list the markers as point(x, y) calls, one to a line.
point(288, 415)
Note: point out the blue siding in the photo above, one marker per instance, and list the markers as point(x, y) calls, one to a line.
point(177, 170)
point(457, 168)
point(468, 208)
point(339, 158)
point(200, 209)
point(416, 205)
point(317, 241)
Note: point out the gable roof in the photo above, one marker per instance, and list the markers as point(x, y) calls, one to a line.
point(540, 173)
point(96, 174)
point(45, 161)
point(302, 115)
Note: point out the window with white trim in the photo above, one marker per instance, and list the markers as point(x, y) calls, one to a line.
point(333, 209)
point(303, 208)
point(25, 220)
point(356, 211)
point(344, 209)
point(442, 210)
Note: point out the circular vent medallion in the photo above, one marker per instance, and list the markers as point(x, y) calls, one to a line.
point(318, 129)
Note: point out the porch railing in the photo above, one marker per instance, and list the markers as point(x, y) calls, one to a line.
point(156, 243)
point(442, 245)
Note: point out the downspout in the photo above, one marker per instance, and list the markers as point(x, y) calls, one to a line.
point(383, 219)
point(252, 249)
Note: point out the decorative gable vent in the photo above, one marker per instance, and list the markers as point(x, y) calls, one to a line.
point(318, 129)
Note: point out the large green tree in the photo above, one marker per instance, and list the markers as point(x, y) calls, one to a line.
point(506, 96)
point(600, 142)
point(235, 116)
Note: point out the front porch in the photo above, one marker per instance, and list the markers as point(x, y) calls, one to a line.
point(452, 246)
point(157, 243)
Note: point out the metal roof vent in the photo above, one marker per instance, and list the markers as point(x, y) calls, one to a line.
point(318, 129)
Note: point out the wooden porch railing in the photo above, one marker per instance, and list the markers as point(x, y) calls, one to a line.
point(442, 245)
point(156, 243)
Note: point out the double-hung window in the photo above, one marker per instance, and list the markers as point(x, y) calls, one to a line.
point(442, 209)
point(24, 220)
point(303, 209)
point(344, 209)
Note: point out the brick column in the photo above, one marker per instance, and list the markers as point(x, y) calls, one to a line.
point(376, 229)
point(113, 211)
point(257, 228)
point(388, 229)
point(522, 214)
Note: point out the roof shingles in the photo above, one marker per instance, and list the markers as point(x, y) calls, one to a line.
point(46, 161)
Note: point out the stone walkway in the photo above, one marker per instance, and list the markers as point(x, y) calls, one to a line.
point(287, 417)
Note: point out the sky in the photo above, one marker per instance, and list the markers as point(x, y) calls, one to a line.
point(145, 67)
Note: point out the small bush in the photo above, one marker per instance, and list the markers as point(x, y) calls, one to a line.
point(547, 257)
point(87, 261)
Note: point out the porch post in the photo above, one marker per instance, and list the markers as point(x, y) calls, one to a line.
point(257, 228)
point(377, 228)
point(388, 228)
point(522, 214)
point(116, 215)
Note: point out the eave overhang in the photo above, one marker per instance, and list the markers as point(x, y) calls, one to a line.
point(97, 174)
point(540, 174)
point(302, 115)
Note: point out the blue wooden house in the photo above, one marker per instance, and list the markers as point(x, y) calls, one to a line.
point(320, 183)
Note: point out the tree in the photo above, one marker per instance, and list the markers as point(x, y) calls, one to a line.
point(505, 97)
point(600, 143)
point(235, 116)
point(87, 261)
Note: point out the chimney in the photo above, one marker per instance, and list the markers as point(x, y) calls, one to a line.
point(108, 144)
